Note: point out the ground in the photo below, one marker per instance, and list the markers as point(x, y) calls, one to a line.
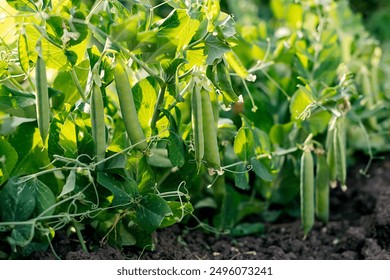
point(359, 228)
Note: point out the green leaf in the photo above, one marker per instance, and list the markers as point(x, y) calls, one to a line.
point(179, 210)
point(145, 98)
point(17, 201)
point(20, 199)
point(70, 184)
point(31, 154)
point(23, 5)
point(178, 28)
point(176, 150)
point(260, 170)
point(214, 49)
point(8, 160)
point(244, 144)
point(22, 235)
point(300, 102)
point(151, 212)
point(17, 103)
point(241, 177)
point(124, 190)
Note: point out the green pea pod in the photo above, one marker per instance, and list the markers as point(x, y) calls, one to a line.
point(322, 189)
point(235, 62)
point(307, 191)
point(211, 151)
point(341, 159)
point(197, 125)
point(225, 83)
point(98, 125)
point(331, 151)
point(128, 110)
point(42, 98)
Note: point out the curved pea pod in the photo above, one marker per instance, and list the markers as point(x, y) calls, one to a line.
point(42, 98)
point(128, 110)
point(322, 189)
point(211, 150)
point(235, 62)
point(98, 125)
point(225, 83)
point(197, 125)
point(307, 191)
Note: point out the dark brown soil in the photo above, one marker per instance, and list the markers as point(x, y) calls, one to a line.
point(359, 228)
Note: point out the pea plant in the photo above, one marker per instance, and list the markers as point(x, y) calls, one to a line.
point(121, 117)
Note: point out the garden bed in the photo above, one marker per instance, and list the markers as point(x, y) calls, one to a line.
point(358, 229)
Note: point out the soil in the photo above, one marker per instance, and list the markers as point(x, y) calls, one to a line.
point(359, 228)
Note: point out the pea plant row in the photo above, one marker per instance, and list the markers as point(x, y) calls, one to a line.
point(123, 117)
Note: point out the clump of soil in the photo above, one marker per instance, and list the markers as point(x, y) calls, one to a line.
point(359, 228)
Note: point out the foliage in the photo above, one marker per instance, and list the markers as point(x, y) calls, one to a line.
point(161, 112)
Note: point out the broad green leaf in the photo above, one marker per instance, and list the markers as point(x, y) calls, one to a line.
point(23, 5)
point(260, 170)
point(179, 210)
point(319, 122)
point(142, 173)
point(300, 105)
point(70, 184)
point(32, 156)
point(151, 212)
point(176, 150)
point(241, 177)
point(23, 52)
point(8, 160)
point(17, 103)
point(124, 190)
point(244, 144)
point(68, 138)
point(279, 133)
point(22, 235)
point(178, 28)
point(17, 201)
point(145, 97)
point(44, 198)
point(214, 49)
point(227, 218)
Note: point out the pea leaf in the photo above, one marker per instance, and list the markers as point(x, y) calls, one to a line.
point(22, 235)
point(260, 170)
point(176, 150)
point(179, 210)
point(16, 201)
point(151, 212)
point(214, 49)
point(23, 5)
point(8, 159)
point(241, 178)
point(70, 184)
point(243, 144)
point(299, 106)
point(124, 189)
point(18, 104)
point(19, 199)
point(31, 153)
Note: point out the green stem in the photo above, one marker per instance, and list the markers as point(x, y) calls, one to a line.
point(160, 81)
point(80, 236)
point(77, 83)
point(159, 102)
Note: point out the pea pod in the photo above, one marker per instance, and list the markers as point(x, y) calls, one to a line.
point(98, 126)
point(42, 98)
point(331, 151)
point(225, 83)
point(322, 188)
point(340, 147)
point(211, 151)
point(307, 191)
point(197, 125)
point(128, 110)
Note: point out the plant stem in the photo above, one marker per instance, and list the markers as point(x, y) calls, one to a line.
point(160, 100)
point(80, 236)
point(78, 85)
